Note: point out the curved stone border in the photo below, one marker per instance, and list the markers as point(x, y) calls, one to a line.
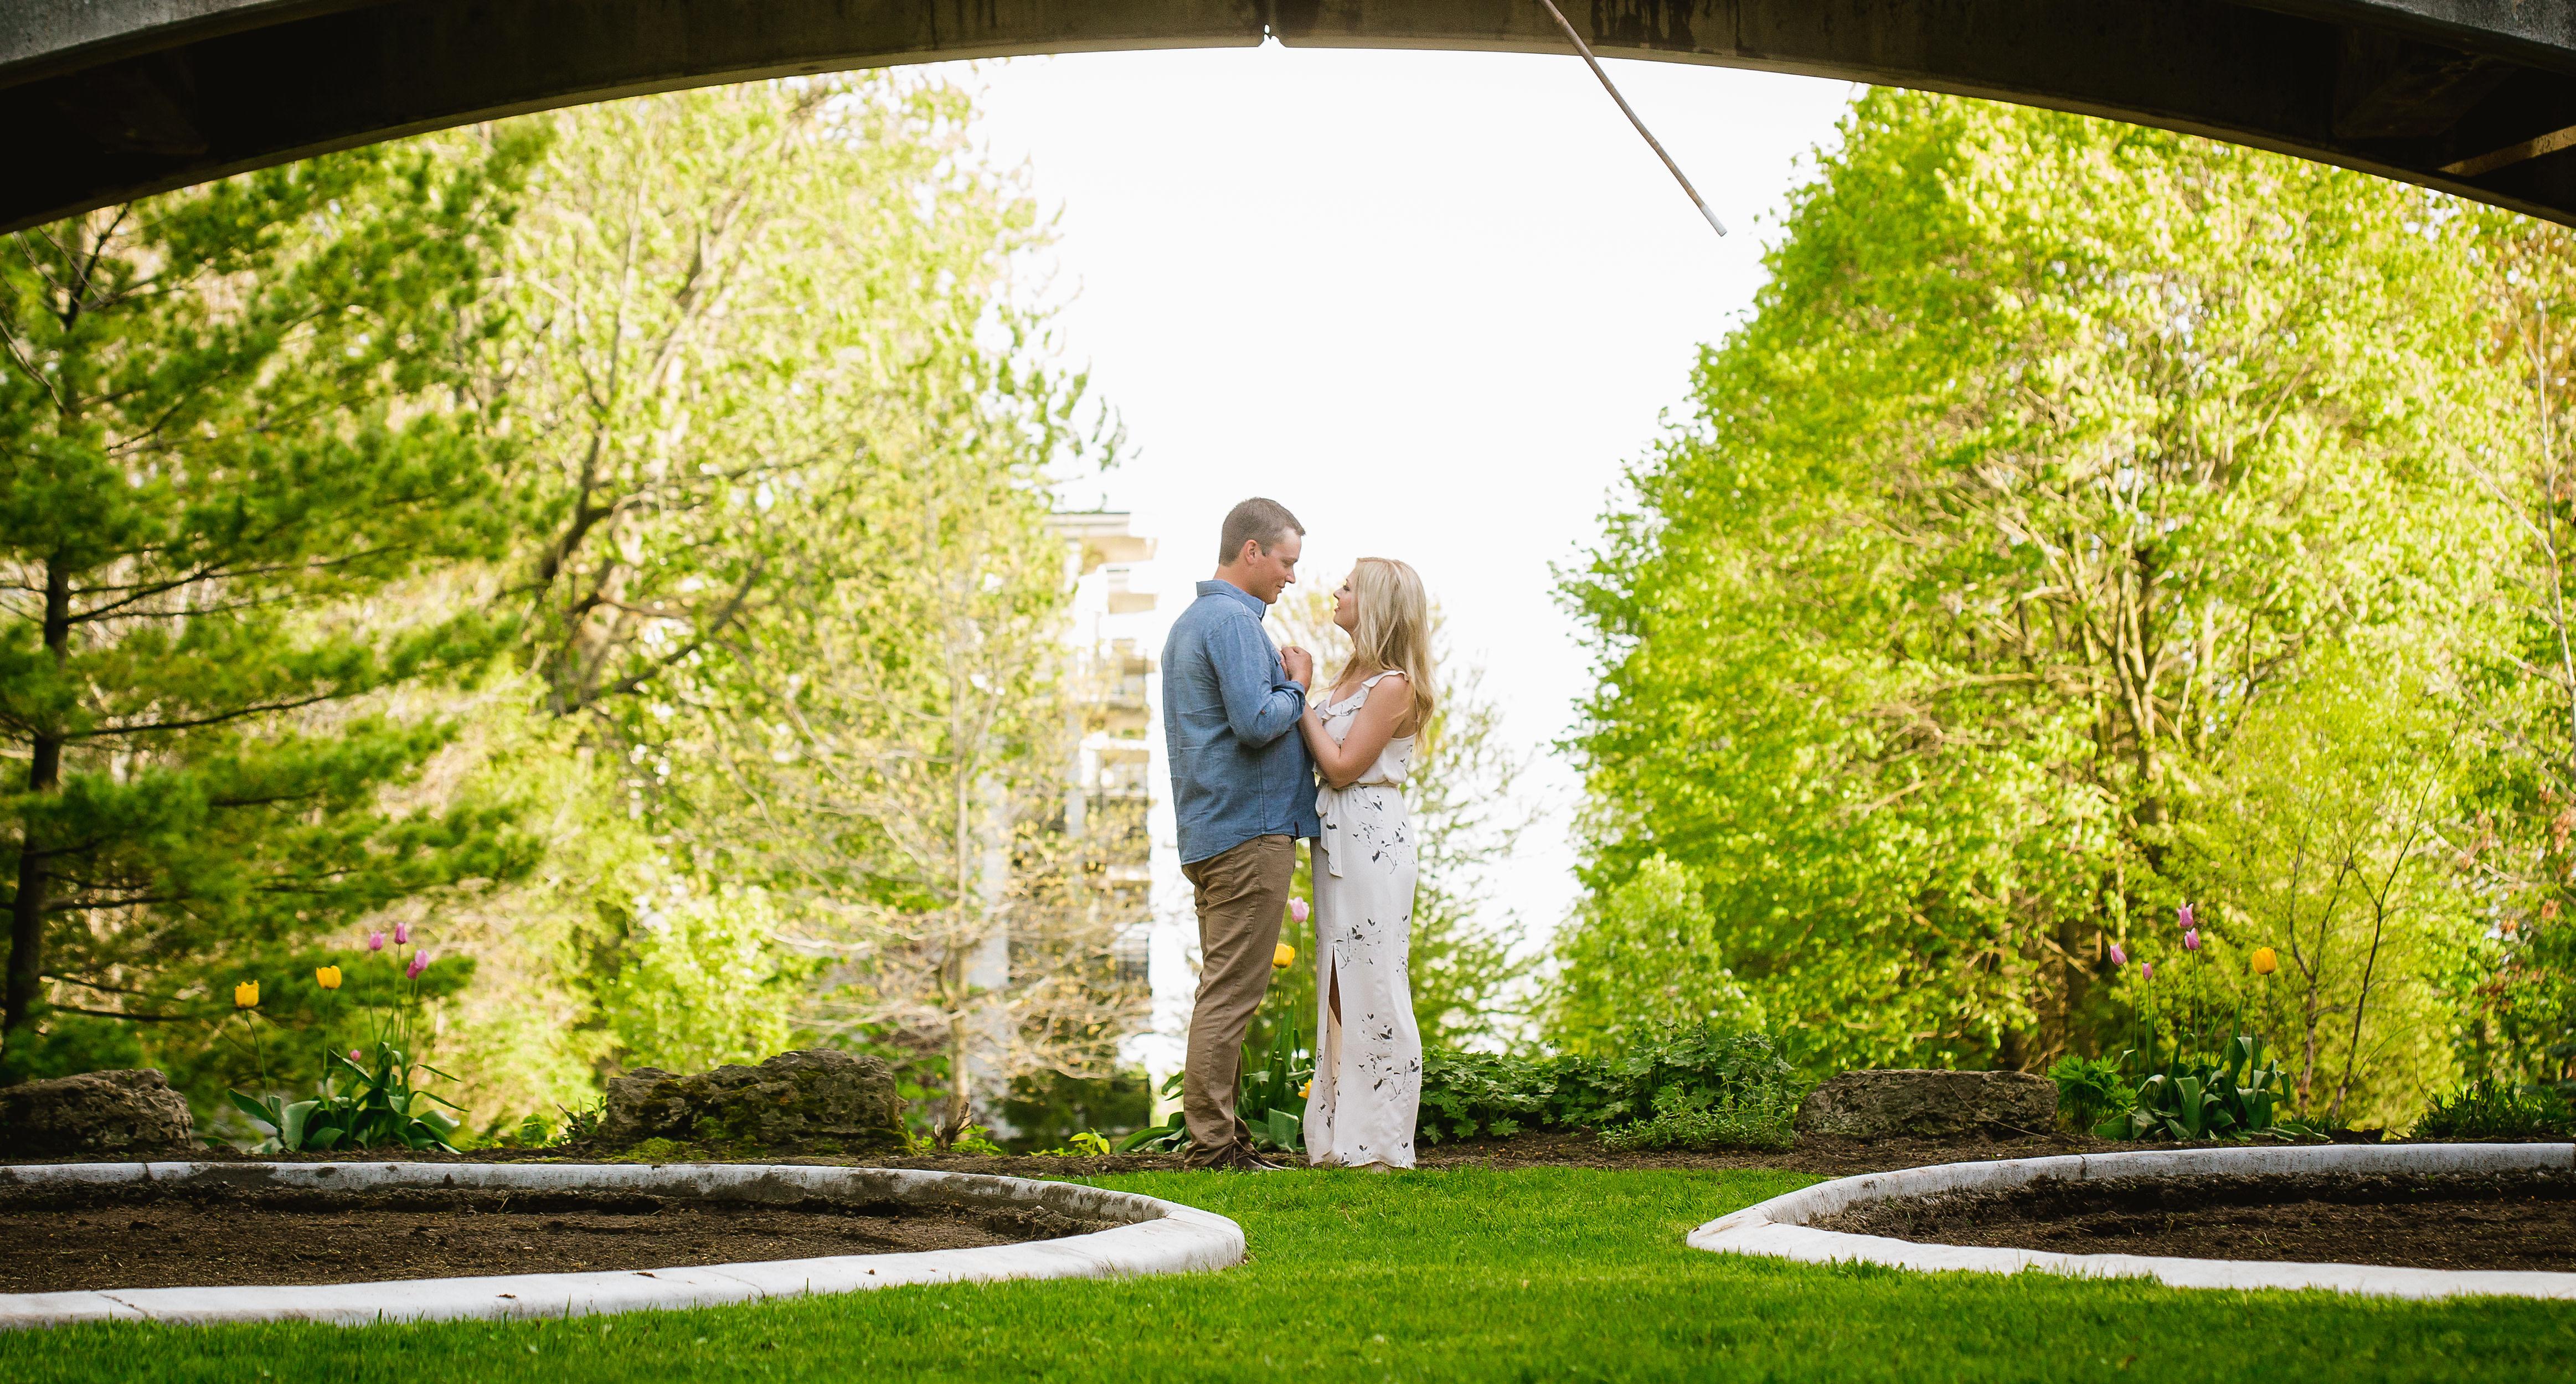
point(1779, 1226)
point(1157, 1237)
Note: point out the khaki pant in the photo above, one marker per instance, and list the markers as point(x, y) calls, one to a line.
point(1241, 895)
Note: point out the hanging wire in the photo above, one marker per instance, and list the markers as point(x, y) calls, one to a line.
point(1651, 142)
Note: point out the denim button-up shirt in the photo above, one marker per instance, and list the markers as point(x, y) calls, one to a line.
point(1239, 765)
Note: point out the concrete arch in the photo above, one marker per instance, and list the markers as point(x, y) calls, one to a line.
point(102, 100)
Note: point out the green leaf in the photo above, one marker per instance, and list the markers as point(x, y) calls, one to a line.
point(263, 1111)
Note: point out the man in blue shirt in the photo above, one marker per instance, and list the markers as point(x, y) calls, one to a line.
point(1243, 791)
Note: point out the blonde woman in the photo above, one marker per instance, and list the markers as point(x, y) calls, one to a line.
point(1368, 1054)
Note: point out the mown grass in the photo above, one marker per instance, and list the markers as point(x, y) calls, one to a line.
point(1533, 1274)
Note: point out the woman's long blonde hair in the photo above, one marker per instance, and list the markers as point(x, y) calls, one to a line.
point(1393, 631)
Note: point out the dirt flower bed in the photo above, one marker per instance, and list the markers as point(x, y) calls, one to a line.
point(63, 1239)
point(2523, 1220)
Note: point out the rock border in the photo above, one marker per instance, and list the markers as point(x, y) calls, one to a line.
point(1155, 1237)
point(1778, 1227)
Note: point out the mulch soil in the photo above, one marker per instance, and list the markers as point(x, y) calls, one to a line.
point(2521, 1220)
point(115, 1237)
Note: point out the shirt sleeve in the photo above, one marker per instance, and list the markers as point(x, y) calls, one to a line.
point(1261, 704)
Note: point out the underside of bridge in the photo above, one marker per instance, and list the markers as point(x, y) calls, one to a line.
point(103, 100)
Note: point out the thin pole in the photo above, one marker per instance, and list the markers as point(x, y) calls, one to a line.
point(1651, 142)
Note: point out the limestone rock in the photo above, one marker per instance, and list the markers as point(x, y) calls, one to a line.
point(1929, 1105)
point(95, 1113)
point(821, 1098)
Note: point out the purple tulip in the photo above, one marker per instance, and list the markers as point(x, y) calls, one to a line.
point(419, 963)
point(2182, 917)
point(2118, 957)
point(402, 934)
point(2146, 970)
point(375, 941)
point(2191, 939)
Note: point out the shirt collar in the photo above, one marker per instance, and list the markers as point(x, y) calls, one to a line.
point(1222, 587)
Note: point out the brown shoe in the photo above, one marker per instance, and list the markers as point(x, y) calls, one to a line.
point(1240, 1159)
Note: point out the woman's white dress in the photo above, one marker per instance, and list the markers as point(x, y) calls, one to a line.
point(1368, 1068)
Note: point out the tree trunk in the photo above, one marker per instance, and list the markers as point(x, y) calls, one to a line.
point(27, 912)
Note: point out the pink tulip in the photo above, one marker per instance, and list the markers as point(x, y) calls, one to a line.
point(375, 941)
point(2146, 970)
point(419, 963)
point(2118, 957)
point(2182, 917)
point(402, 934)
point(1297, 911)
point(2191, 939)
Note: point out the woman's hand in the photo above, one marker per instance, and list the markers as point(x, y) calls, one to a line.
point(1389, 704)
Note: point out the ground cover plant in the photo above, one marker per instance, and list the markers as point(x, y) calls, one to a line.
point(1675, 1086)
point(2497, 1110)
point(1526, 1274)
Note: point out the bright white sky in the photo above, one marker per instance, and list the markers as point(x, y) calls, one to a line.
point(1429, 301)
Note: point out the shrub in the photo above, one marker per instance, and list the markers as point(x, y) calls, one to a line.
point(2090, 1090)
point(2496, 1110)
point(1703, 1078)
point(1756, 1117)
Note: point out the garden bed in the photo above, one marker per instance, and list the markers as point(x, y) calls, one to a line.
point(1790, 1226)
point(144, 1236)
point(2522, 1221)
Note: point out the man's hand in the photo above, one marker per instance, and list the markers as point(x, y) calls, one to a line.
point(1300, 665)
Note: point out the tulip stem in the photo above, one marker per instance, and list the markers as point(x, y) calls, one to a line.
point(259, 1051)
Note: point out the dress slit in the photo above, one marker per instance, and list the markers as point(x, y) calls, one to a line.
point(1328, 1025)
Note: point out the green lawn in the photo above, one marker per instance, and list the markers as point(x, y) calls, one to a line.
point(1534, 1274)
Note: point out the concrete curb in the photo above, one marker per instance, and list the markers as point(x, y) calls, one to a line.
point(1779, 1226)
point(1156, 1237)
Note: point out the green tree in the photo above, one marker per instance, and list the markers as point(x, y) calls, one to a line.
point(2521, 733)
point(228, 427)
point(891, 762)
point(655, 377)
point(2052, 446)
point(787, 431)
point(1642, 955)
point(2319, 833)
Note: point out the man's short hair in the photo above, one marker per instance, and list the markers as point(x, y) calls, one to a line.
point(1261, 521)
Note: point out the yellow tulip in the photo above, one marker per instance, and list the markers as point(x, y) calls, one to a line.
point(328, 977)
point(246, 995)
point(2265, 962)
point(1283, 958)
